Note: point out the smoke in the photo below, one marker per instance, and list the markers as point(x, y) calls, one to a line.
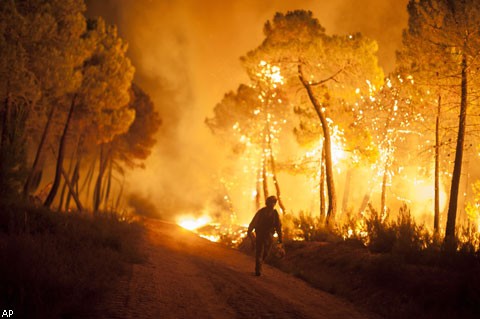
point(186, 54)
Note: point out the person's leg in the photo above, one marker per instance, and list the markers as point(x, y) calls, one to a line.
point(267, 247)
point(259, 251)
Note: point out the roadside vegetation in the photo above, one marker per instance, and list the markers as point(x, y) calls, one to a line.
point(392, 267)
point(61, 264)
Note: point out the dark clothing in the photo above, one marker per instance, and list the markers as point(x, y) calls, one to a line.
point(265, 222)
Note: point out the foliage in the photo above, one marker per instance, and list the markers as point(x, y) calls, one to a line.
point(53, 264)
point(18, 94)
point(329, 69)
point(67, 89)
point(440, 47)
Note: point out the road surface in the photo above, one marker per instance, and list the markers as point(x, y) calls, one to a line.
point(189, 277)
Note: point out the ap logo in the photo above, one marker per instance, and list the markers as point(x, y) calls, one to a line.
point(7, 313)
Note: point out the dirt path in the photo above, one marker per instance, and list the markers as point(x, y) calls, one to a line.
point(189, 277)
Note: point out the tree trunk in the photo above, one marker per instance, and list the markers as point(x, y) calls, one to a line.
point(264, 176)
point(457, 168)
point(27, 188)
point(61, 155)
point(332, 205)
point(120, 193)
point(383, 204)
point(74, 181)
point(257, 188)
point(109, 182)
point(365, 201)
point(4, 145)
point(97, 196)
point(64, 187)
point(5, 123)
point(321, 185)
point(72, 191)
point(436, 217)
point(274, 175)
point(88, 178)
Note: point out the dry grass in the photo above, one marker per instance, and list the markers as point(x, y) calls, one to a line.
point(398, 270)
point(59, 265)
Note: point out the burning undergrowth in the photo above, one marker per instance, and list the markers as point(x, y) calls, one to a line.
point(377, 262)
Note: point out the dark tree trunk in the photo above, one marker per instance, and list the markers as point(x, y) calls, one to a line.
point(97, 196)
point(274, 175)
point(457, 168)
point(4, 143)
point(63, 193)
point(365, 201)
point(72, 191)
point(332, 200)
point(61, 155)
point(109, 182)
point(74, 181)
point(257, 188)
point(264, 176)
point(5, 122)
point(35, 170)
point(120, 193)
point(436, 217)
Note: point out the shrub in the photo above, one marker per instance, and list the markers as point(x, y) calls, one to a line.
point(381, 235)
point(56, 264)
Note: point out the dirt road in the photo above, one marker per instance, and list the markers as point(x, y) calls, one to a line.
point(189, 277)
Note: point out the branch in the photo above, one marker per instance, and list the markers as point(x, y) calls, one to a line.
point(332, 77)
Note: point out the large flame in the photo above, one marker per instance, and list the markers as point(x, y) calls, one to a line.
point(191, 222)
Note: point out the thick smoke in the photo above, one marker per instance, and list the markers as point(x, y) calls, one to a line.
point(186, 55)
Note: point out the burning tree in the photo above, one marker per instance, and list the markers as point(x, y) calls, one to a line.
point(322, 65)
point(388, 114)
point(444, 34)
point(252, 119)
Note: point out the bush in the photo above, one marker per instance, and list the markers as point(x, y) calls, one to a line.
point(381, 235)
point(308, 228)
point(55, 264)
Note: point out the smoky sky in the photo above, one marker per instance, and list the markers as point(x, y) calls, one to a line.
point(186, 54)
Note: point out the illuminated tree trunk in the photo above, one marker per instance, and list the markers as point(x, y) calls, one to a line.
point(264, 176)
point(109, 182)
point(274, 175)
point(119, 197)
point(97, 194)
point(332, 206)
point(322, 185)
point(457, 168)
point(383, 205)
point(436, 217)
point(61, 155)
point(257, 189)
point(365, 201)
point(33, 176)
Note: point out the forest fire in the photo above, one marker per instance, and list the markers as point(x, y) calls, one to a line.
point(228, 234)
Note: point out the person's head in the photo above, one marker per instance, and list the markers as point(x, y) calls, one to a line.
point(271, 201)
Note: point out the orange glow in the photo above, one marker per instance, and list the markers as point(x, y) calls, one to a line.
point(191, 223)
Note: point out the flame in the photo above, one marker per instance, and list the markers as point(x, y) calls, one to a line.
point(191, 223)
